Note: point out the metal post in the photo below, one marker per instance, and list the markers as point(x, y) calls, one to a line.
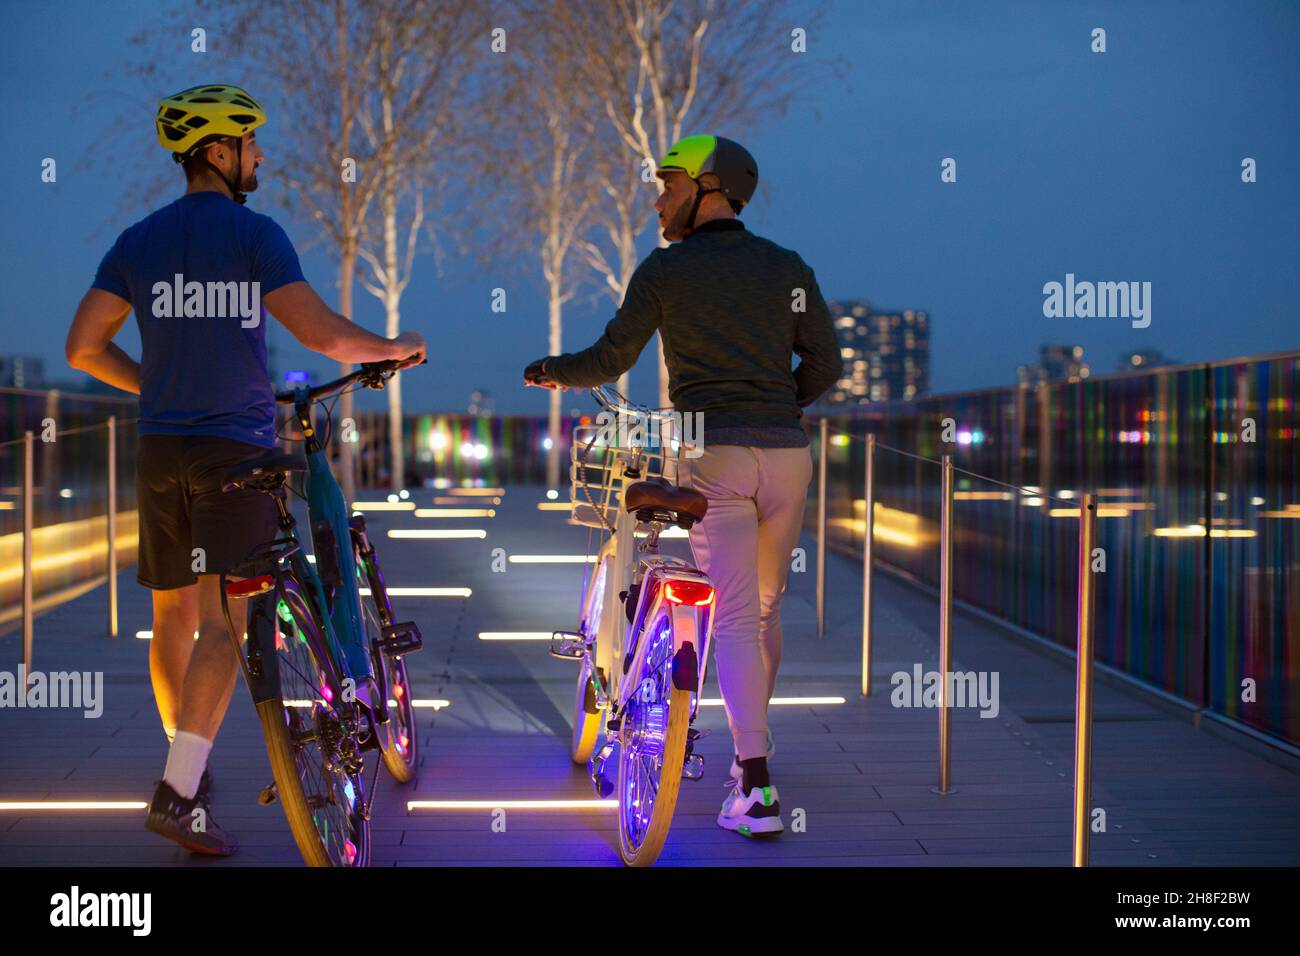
point(868, 532)
point(823, 429)
point(1083, 681)
point(112, 526)
point(29, 454)
point(945, 626)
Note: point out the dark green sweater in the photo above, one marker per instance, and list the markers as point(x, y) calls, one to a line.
point(724, 301)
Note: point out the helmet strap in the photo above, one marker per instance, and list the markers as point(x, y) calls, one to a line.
point(232, 183)
point(700, 193)
point(237, 180)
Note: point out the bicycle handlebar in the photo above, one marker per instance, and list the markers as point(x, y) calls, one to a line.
point(612, 400)
point(371, 374)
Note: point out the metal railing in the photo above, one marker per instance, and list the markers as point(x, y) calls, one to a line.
point(66, 483)
point(1084, 637)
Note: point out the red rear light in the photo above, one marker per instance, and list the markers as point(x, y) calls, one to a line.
point(248, 587)
point(689, 592)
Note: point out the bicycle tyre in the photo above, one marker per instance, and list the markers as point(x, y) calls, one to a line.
point(586, 718)
point(401, 755)
point(636, 847)
point(318, 847)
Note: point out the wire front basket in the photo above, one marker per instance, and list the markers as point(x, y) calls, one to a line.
point(596, 471)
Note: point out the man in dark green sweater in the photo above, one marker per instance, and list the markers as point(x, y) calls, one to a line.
point(733, 310)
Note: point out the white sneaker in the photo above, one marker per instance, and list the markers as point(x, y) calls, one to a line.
point(756, 813)
point(771, 752)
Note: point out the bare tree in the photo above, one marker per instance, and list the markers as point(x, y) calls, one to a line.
point(411, 113)
point(661, 64)
point(549, 122)
point(312, 57)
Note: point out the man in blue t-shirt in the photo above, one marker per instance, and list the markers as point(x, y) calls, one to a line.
point(198, 274)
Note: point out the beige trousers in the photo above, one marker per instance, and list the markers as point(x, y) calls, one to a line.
point(756, 505)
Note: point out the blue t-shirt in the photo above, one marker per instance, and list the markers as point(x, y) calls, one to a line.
point(195, 272)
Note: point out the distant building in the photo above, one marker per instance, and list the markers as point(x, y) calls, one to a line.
point(1056, 363)
point(886, 354)
point(1144, 359)
point(22, 371)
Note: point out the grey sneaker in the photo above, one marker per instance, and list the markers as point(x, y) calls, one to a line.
point(757, 813)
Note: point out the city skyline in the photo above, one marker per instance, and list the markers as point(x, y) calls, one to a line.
point(1061, 168)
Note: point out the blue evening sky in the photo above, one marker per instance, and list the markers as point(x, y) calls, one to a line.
point(1118, 166)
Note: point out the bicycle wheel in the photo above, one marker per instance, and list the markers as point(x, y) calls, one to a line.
point(312, 735)
point(401, 750)
point(586, 718)
point(652, 749)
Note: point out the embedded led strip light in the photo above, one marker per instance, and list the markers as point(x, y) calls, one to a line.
point(552, 559)
point(514, 635)
point(423, 592)
point(437, 533)
point(73, 805)
point(511, 805)
point(779, 701)
point(383, 506)
point(455, 513)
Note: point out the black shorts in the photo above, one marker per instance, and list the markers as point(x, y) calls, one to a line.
point(182, 507)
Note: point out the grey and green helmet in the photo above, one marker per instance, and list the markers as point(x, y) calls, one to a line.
point(735, 168)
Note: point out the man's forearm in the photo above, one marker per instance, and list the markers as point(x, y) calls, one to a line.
point(111, 366)
point(348, 342)
point(588, 368)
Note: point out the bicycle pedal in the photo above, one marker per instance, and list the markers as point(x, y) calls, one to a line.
point(268, 795)
point(693, 767)
point(399, 639)
point(600, 765)
point(694, 733)
point(568, 645)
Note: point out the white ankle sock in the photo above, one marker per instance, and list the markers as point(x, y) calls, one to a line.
point(186, 759)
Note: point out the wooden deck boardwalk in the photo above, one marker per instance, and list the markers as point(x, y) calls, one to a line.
point(861, 773)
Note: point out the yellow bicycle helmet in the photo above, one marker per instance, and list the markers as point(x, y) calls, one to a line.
point(188, 118)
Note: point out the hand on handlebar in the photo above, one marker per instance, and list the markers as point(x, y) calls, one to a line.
point(535, 374)
point(411, 349)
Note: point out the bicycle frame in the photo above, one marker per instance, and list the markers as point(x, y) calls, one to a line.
point(626, 563)
point(333, 575)
point(331, 538)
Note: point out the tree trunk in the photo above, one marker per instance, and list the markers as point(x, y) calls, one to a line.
point(392, 308)
point(347, 457)
point(557, 397)
point(348, 248)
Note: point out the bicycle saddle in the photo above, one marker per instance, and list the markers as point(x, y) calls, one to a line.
point(269, 469)
point(661, 494)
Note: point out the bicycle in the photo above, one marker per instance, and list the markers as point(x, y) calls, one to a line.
point(644, 633)
point(323, 661)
